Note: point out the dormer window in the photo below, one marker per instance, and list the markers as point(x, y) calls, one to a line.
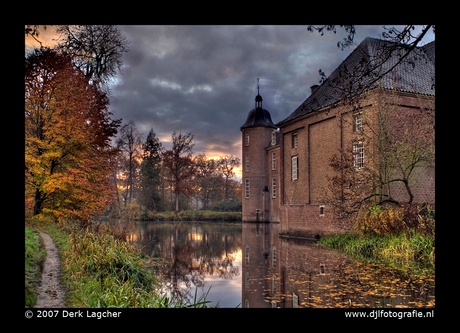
point(273, 138)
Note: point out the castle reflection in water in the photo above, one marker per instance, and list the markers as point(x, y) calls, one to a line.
point(282, 273)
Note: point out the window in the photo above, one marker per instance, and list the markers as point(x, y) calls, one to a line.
point(358, 122)
point(358, 155)
point(274, 257)
point(294, 140)
point(295, 167)
point(322, 269)
point(295, 301)
point(274, 188)
point(247, 188)
point(273, 138)
point(246, 255)
point(321, 210)
point(274, 284)
point(274, 161)
point(246, 134)
point(247, 163)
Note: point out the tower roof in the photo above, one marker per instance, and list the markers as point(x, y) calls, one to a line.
point(258, 117)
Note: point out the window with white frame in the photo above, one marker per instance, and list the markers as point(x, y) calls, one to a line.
point(295, 301)
point(246, 160)
point(246, 134)
point(273, 138)
point(358, 155)
point(358, 122)
point(274, 161)
point(247, 188)
point(295, 167)
point(294, 140)
point(274, 188)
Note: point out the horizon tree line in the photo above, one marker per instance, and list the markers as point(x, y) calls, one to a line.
point(160, 179)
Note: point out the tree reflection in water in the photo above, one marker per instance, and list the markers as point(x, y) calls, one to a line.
point(190, 252)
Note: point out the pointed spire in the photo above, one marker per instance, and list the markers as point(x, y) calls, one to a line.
point(258, 98)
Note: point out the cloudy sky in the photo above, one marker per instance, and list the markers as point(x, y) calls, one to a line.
point(202, 79)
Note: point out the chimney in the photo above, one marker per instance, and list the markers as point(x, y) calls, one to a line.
point(313, 88)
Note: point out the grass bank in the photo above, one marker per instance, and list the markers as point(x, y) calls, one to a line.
point(35, 255)
point(191, 215)
point(409, 252)
point(100, 269)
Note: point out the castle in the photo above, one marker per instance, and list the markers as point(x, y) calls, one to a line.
point(287, 166)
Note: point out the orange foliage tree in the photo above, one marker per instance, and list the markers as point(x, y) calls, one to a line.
point(67, 139)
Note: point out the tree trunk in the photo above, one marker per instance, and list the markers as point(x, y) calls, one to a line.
point(177, 202)
point(38, 202)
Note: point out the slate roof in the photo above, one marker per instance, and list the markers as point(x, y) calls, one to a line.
point(416, 74)
point(258, 117)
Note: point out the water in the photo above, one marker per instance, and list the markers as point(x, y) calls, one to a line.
point(249, 264)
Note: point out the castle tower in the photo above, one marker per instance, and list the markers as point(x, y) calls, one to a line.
point(256, 135)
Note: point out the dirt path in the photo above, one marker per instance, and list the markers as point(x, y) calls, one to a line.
point(50, 292)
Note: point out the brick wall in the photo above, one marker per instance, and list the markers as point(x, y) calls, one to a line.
point(259, 138)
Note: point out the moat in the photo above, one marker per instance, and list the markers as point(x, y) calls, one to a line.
point(249, 265)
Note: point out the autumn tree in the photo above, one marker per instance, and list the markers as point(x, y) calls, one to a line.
point(129, 143)
point(67, 139)
point(179, 164)
point(226, 165)
point(150, 172)
point(208, 180)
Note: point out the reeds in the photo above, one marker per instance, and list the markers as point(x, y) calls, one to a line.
point(409, 252)
point(109, 272)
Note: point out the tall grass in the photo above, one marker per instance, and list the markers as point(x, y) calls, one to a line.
point(35, 255)
point(409, 252)
point(190, 215)
point(109, 272)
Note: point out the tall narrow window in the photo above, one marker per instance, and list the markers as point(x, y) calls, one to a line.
point(246, 163)
point(358, 122)
point(294, 140)
point(274, 161)
point(274, 257)
point(247, 188)
point(246, 255)
point(295, 301)
point(295, 167)
point(358, 155)
point(274, 188)
point(273, 138)
point(246, 135)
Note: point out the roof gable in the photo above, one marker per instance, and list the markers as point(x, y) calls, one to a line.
point(416, 74)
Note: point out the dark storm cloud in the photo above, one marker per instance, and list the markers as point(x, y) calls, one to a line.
point(203, 78)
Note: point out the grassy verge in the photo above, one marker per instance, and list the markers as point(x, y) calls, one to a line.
point(100, 269)
point(410, 252)
point(190, 215)
point(35, 255)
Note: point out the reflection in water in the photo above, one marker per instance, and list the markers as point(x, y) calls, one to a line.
point(249, 264)
point(195, 255)
point(281, 273)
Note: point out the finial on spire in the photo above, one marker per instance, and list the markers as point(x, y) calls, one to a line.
point(258, 97)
